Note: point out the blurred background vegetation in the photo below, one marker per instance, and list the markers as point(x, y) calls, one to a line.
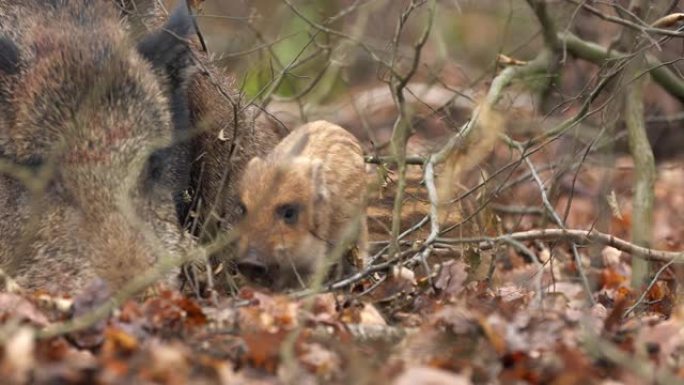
point(261, 38)
point(298, 55)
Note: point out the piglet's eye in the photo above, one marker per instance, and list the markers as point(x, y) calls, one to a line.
point(288, 212)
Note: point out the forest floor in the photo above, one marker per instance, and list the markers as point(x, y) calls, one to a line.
point(481, 315)
point(504, 294)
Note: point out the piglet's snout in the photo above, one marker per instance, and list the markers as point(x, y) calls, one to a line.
point(252, 266)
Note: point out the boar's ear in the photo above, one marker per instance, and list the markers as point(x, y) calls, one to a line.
point(169, 52)
point(167, 48)
point(9, 57)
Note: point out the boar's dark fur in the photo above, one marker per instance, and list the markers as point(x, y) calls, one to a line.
point(88, 165)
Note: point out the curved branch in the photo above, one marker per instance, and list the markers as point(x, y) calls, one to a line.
point(598, 54)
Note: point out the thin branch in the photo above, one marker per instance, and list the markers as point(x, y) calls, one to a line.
point(434, 217)
point(639, 301)
point(403, 125)
point(559, 222)
point(581, 237)
point(640, 27)
point(598, 54)
point(415, 160)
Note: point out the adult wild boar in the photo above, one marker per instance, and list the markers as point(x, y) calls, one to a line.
point(87, 167)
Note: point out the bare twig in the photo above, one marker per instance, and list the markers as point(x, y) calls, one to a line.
point(403, 125)
point(434, 217)
point(403, 235)
point(411, 159)
point(639, 27)
point(581, 237)
point(654, 280)
point(559, 222)
point(599, 55)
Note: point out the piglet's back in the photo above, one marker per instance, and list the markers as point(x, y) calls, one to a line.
point(337, 149)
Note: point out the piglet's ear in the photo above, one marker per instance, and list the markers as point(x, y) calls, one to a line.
point(251, 173)
point(167, 48)
point(318, 179)
point(9, 57)
point(299, 145)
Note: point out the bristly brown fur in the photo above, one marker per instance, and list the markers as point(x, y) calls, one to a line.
point(299, 203)
point(228, 137)
point(222, 135)
point(86, 110)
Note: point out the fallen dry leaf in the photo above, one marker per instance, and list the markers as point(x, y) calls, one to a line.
point(422, 375)
point(19, 356)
